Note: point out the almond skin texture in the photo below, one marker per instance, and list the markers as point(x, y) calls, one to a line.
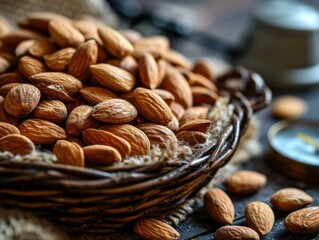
point(41, 131)
point(114, 42)
point(199, 125)
point(5, 117)
point(303, 221)
point(113, 78)
point(192, 138)
point(219, 206)
point(101, 155)
point(159, 135)
point(192, 113)
point(245, 182)
point(80, 119)
point(23, 47)
point(202, 95)
point(30, 66)
point(17, 144)
point(290, 199)
point(260, 217)
point(41, 47)
point(140, 145)
point(11, 77)
point(59, 60)
point(51, 110)
point(21, 100)
point(177, 109)
point(148, 71)
point(236, 233)
point(95, 95)
point(204, 68)
point(153, 229)
point(82, 59)
point(199, 80)
point(69, 153)
point(5, 89)
point(93, 136)
point(7, 128)
point(166, 95)
point(151, 106)
point(114, 110)
point(64, 34)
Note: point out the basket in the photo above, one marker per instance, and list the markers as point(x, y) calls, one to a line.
point(87, 200)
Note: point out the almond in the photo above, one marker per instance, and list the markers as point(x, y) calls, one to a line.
point(11, 77)
point(245, 182)
point(114, 110)
point(192, 113)
point(14, 38)
point(204, 68)
point(153, 229)
point(235, 233)
point(173, 124)
point(140, 144)
point(69, 153)
point(5, 117)
point(114, 42)
point(16, 144)
point(82, 59)
point(4, 65)
point(41, 131)
point(219, 206)
point(148, 71)
point(59, 60)
point(5, 89)
point(113, 78)
point(70, 84)
point(156, 45)
point(88, 30)
point(78, 101)
point(65, 34)
point(23, 47)
point(177, 59)
point(94, 136)
point(95, 95)
point(260, 217)
point(202, 95)
point(290, 199)
point(201, 81)
point(159, 135)
point(7, 129)
point(101, 155)
point(175, 83)
point(21, 100)
point(162, 69)
point(30, 66)
point(303, 221)
point(166, 95)
point(129, 64)
point(131, 35)
point(41, 47)
point(51, 110)
point(80, 119)
point(151, 106)
point(177, 109)
point(199, 125)
point(192, 138)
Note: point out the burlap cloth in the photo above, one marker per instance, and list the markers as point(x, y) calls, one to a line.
point(19, 225)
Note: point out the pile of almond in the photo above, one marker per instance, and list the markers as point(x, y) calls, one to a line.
point(95, 95)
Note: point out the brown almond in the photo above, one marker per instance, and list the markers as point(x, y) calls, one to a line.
point(41, 47)
point(153, 229)
point(131, 35)
point(16, 144)
point(200, 81)
point(173, 124)
point(5, 89)
point(113, 78)
point(148, 71)
point(101, 137)
point(202, 95)
point(30, 66)
point(21, 100)
point(177, 59)
point(78, 101)
point(114, 110)
point(82, 59)
point(114, 42)
point(127, 63)
point(290, 199)
point(177, 109)
point(88, 30)
point(166, 95)
point(199, 125)
point(95, 95)
point(13, 38)
point(23, 47)
point(65, 34)
point(5, 117)
point(140, 144)
point(80, 119)
point(4, 65)
point(245, 182)
point(204, 68)
point(7, 129)
point(192, 113)
point(175, 83)
point(70, 84)
point(51, 110)
point(260, 217)
point(159, 135)
point(156, 45)
point(235, 233)
point(41, 131)
point(101, 155)
point(11, 77)
point(162, 69)
point(219, 206)
point(59, 60)
point(192, 138)
point(303, 221)
point(151, 106)
point(69, 153)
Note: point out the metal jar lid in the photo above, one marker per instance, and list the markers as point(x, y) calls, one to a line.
point(294, 149)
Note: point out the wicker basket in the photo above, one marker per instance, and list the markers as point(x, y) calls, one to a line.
point(86, 200)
